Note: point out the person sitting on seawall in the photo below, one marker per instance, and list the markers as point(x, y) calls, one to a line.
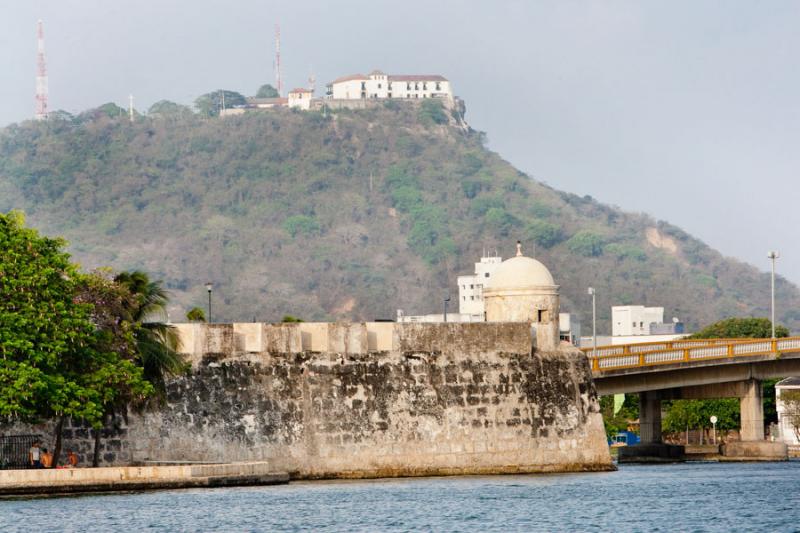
point(35, 455)
point(72, 458)
point(46, 458)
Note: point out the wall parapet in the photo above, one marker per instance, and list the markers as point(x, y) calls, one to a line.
point(350, 338)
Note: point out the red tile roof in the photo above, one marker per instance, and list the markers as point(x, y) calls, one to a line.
point(352, 77)
point(417, 77)
point(301, 90)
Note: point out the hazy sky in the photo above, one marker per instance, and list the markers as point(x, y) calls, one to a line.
point(688, 110)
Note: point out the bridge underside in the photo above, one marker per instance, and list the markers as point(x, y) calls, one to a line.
point(739, 378)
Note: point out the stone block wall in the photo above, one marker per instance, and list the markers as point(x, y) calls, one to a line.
point(374, 400)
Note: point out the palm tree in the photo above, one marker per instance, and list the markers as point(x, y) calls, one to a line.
point(157, 342)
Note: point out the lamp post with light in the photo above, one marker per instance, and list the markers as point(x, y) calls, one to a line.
point(773, 256)
point(209, 287)
point(591, 292)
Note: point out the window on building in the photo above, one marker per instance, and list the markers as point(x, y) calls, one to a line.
point(408, 86)
point(416, 86)
point(424, 86)
point(389, 95)
point(486, 275)
point(634, 325)
point(472, 286)
point(438, 86)
point(472, 298)
point(641, 324)
point(363, 86)
point(379, 86)
point(543, 315)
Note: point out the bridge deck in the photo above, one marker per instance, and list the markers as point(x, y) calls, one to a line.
point(649, 356)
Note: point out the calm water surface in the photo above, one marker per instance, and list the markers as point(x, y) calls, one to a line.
point(693, 497)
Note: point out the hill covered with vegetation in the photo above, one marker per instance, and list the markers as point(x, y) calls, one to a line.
point(344, 215)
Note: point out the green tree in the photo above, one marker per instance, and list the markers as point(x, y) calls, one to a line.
point(543, 233)
point(196, 314)
point(56, 358)
point(301, 224)
point(210, 104)
point(157, 343)
point(291, 319)
point(166, 108)
point(267, 91)
point(586, 243)
point(431, 111)
point(117, 375)
point(737, 328)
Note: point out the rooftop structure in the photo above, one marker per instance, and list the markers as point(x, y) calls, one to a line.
point(378, 84)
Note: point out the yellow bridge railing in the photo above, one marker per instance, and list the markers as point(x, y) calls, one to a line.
point(643, 355)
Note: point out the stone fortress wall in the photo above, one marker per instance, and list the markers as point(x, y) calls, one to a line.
point(358, 400)
point(345, 400)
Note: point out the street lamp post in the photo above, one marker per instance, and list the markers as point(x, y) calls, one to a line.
point(773, 256)
point(209, 287)
point(446, 300)
point(591, 292)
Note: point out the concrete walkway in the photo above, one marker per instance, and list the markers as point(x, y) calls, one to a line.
point(72, 480)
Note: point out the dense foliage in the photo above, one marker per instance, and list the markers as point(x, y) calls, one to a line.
point(344, 215)
point(64, 350)
point(738, 328)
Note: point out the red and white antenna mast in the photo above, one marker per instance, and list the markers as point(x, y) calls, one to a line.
point(41, 75)
point(278, 81)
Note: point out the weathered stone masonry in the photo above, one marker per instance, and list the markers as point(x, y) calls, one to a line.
point(426, 399)
point(374, 400)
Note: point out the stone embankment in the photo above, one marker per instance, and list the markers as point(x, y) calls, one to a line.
point(77, 480)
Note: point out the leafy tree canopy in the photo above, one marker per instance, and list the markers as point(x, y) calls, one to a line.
point(734, 328)
point(166, 108)
point(210, 104)
point(267, 91)
point(196, 314)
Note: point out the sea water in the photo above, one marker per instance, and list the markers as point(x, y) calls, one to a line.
point(680, 497)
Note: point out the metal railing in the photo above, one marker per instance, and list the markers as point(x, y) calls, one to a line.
point(14, 451)
point(653, 354)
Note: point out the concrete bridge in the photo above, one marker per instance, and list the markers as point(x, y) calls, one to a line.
point(698, 369)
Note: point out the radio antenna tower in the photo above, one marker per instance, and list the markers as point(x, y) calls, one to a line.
point(278, 81)
point(41, 75)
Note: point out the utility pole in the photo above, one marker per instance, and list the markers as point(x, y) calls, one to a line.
point(591, 292)
point(773, 256)
point(446, 300)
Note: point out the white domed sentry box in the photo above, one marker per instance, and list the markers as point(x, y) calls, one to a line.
point(523, 290)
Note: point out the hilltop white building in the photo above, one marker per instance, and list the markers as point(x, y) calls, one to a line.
point(300, 98)
point(380, 85)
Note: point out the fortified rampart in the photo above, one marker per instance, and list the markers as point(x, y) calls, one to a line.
point(359, 400)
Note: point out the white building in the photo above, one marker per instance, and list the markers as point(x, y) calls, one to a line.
point(300, 98)
point(470, 287)
point(569, 328)
point(380, 85)
point(788, 434)
point(627, 320)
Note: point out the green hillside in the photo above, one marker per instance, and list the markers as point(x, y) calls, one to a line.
point(346, 215)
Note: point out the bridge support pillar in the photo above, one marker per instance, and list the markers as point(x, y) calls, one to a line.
point(649, 418)
point(753, 447)
point(650, 449)
point(751, 405)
